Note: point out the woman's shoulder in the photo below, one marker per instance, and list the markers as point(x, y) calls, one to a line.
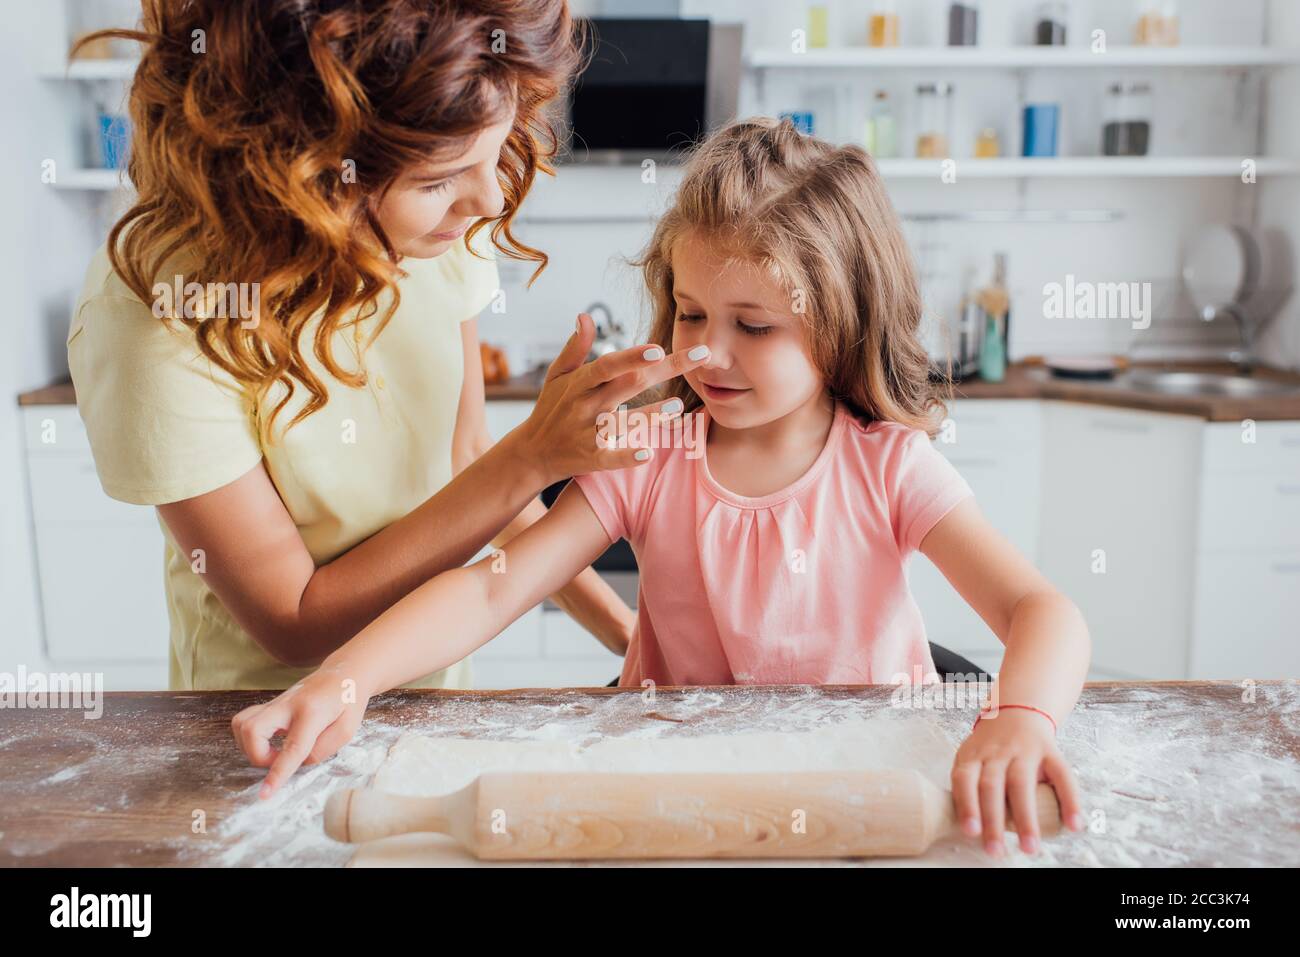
point(112, 329)
point(103, 284)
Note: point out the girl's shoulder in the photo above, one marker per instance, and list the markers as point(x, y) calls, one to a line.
point(880, 436)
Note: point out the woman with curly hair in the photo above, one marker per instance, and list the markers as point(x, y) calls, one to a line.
point(277, 345)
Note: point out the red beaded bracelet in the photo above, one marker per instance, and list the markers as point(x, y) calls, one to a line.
point(1027, 707)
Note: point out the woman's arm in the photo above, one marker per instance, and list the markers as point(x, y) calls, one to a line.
point(437, 624)
point(256, 563)
point(1045, 664)
point(587, 599)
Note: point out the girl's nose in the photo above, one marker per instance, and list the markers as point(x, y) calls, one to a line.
point(719, 350)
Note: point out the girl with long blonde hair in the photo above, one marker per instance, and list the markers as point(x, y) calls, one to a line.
point(774, 521)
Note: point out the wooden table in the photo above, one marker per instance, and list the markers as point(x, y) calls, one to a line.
point(1192, 773)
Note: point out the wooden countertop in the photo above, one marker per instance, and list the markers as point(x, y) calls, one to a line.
point(1024, 380)
point(1194, 773)
point(526, 386)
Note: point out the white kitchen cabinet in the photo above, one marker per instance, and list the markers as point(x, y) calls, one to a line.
point(564, 640)
point(996, 445)
point(1119, 530)
point(504, 415)
point(1246, 614)
point(558, 652)
point(102, 594)
point(1200, 533)
point(99, 561)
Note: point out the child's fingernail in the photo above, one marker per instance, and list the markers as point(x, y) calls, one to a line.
point(699, 352)
point(577, 326)
point(672, 406)
point(1076, 821)
point(653, 354)
point(1031, 845)
point(972, 825)
point(994, 848)
point(642, 455)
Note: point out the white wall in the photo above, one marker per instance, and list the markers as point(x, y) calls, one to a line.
point(46, 242)
point(1280, 201)
point(1194, 113)
point(49, 234)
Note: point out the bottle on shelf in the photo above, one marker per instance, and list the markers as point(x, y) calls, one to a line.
point(995, 302)
point(933, 120)
point(881, 139)
point(803, 120)
point(970, 327)
point(963, 23)
point(1157, 24)
point(818, 26)
point(1049, 25)
point(1127, 126)
point(882, 26)
point(1042, 122)
point(987, 145)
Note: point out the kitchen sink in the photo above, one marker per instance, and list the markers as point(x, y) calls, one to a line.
point(1202, 383)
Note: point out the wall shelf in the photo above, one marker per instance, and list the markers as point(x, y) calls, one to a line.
point(1082, 167)
point(92, 179)
point(120, 69)
point(1087, 167)
point(902, 58)
point(1023, 57)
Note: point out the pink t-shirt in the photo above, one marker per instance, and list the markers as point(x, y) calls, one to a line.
point(802, 586)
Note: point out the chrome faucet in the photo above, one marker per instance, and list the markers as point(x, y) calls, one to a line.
point(1244, 357)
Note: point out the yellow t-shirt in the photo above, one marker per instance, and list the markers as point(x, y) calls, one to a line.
point(166, 424)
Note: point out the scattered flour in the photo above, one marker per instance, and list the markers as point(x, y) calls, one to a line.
point(1165, 778)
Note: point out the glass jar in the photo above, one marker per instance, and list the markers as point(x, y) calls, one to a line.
point(882, 27)
point(882, 129)
point(1157, 23)
point(1126, 130)
point(1049, 24)
point(819, 32)
point(933, 120)
point(963, 23)
point(987, 144)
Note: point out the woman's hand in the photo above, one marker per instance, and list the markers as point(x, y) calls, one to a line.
point(560, 437)
point(318, 715)
point(1002, 762)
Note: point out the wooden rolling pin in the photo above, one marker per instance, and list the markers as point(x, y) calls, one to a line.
point(593, 815)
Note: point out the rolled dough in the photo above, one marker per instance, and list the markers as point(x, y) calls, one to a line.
point(422, 765)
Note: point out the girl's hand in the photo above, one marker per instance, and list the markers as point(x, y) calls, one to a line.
point(318, 716)
point(559, 438)
point(1002, 762)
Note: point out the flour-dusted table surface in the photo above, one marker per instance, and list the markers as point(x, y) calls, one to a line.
point(1173, 773)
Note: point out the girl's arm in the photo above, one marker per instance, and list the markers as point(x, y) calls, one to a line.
point(434, 626)
point(587, 599)
point(1045, 664)
point(257, 564)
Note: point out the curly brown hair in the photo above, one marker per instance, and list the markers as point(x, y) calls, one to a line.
point(244, 114)
point(819, 219)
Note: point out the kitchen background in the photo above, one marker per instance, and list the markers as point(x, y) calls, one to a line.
point(1110, 141)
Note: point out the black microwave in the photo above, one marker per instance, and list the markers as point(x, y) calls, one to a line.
point(652, 88)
